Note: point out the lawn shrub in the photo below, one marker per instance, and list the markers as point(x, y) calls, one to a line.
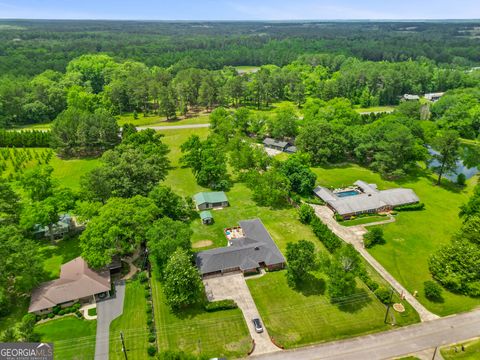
point(149, 321)
point(61, 312)
point(179, 355)
point(151, 350)
point(383, 294)
point(339, 218)
point(411, 207)
point(373, 237)
point(147, 294)
point(371, 284)
point(78, 313)
point(220, 305)
point(151, 338)
point(306, 214)
point(142, 277)
point(56, 309)
point(51, 315)
point(433, 291)
point(326, 236)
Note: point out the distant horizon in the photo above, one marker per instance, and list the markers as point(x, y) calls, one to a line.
point(240, 10)
point(245, 20)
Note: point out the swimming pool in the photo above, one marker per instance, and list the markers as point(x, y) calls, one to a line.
point(347, 193)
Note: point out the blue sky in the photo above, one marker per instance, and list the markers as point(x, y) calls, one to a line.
point(240, 9)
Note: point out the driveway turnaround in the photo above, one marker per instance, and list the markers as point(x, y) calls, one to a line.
point(108, 310)
point(391, 344)
point(354, 235)
point(233, 286)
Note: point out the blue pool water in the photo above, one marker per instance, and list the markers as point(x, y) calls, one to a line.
point(347, 193)
point(227, 232)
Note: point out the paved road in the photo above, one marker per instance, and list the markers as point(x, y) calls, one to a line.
point(107, 311)
point(354, 236)
point(233, 286)
point(174, 127)
point(391, 344)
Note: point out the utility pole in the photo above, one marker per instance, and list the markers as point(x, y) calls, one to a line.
point(388, 305)
point(435, 353)
point(124, 349)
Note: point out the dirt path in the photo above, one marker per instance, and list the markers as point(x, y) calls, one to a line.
point(354, 235)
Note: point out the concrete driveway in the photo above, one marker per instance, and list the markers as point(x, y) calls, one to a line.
point(108, 310)
point(233, 286)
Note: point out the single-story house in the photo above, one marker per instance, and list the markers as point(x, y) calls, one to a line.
point(207, 217)
point(77, 283)
point(276, 144)
point(433, 96)
point(65, 225)
point(410, 97)
point(291, 149)
point(366, 198)
point(210, 200)
point(248, 253)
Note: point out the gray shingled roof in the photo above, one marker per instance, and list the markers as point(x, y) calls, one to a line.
point(370, 200)
point(245, 253)
point(273, 142)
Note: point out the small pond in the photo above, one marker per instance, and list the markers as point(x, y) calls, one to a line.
point(468, 164)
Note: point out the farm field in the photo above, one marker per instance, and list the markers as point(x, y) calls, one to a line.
point(73, 338)
point(133, 324)
point(415, 235)
point(222, 333)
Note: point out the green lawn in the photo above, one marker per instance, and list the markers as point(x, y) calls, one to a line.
point(73, 338)
point(69, 172)
point(247, 68)
point(58, 254)
point(363, 220)
point(215, 334)
point(415, 235)
point(472, 351)
point(156, 120)
point(374, 109)
point(133, 324)
point(297, 318)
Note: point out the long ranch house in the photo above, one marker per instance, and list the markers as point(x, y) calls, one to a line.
point(365, 198)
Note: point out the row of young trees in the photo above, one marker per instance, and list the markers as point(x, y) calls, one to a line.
point(94, 82)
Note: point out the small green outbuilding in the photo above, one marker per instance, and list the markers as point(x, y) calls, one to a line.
point(207, 217)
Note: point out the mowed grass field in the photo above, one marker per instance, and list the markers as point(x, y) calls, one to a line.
point(133, 324)
point(73, 338)
point(305, 316)
point(415, 235)
point(156, 120)
point(215, 334)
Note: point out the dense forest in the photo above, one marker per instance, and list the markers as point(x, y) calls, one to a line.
point(30, 47)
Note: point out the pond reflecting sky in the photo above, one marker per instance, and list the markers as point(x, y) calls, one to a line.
point(468, 164)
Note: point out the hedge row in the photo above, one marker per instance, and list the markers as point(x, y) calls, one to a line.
point(411, 207)
point(220, 305)
point(326, 236)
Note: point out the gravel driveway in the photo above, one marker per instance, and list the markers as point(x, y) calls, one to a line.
point(233, 286)
point(107, 311)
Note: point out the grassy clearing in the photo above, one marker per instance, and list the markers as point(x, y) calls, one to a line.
point(297, 318)
point(73, 338)
point(247, 69)
point(221, 333)
point(374, 109)
point(415, 235)
point(58, 254)
point(156, 120)
point(133, 324)
point(472, 351)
